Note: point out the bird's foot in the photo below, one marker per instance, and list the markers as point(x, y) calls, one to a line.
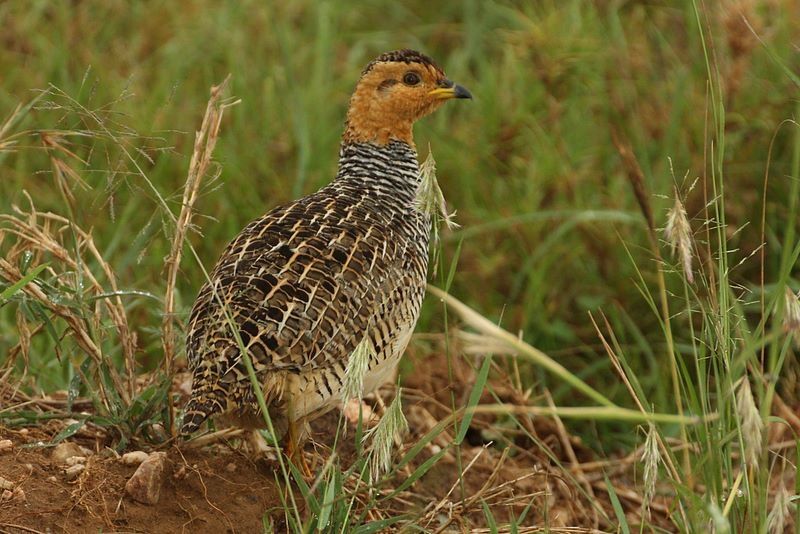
point(258, 448)
point(294, 451)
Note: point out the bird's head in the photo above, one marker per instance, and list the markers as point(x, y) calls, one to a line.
point(395, 90)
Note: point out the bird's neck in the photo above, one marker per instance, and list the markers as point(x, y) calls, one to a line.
point(391, 169)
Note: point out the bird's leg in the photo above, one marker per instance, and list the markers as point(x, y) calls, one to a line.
point(294, 451)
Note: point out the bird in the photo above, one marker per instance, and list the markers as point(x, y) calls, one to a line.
point(303, 285)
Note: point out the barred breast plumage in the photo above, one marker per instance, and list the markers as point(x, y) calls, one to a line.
point(304, 284)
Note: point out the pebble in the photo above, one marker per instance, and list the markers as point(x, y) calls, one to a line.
point(63, 451)
point(75, 460)
point(6, 484)
point(5, 445)
point(7, 495)
point(74, 471)
point(230, 468)
point(158, 431)
point(180, 474)
point(134, 457)
point(145, 484)
point(19, 494)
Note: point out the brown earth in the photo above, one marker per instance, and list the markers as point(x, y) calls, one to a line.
point(219, 489)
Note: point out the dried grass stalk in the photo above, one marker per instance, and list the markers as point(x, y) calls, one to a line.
point(204, 143)
point(38, 235)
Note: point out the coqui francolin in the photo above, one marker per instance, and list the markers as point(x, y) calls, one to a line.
point(305, 284)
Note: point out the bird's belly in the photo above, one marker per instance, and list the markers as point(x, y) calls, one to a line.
point(310, 399)
point(384, 370)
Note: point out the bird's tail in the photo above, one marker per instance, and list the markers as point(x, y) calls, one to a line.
point(200, 407)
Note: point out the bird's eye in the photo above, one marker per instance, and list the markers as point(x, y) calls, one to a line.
point(411, 78)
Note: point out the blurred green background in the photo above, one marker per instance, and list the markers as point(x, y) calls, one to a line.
point(550, 228)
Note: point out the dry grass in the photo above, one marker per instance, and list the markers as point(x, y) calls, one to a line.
point(199, 166)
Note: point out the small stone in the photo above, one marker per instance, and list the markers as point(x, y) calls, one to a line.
point(5, 445)
point(230, 468)
point(145, 484)
point(75, 460)
point(157, 430)
point(7, 495)
point(134, 457)
point(23, 431)
point(6, 484)
point(19, 494)
point(64, 451)
point(52, 479)
point(74, 471)
point(180, 474)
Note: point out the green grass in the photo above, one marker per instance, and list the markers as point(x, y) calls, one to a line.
point(552, 241)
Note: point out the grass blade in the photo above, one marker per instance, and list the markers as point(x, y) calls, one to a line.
point(11, 290)
point(620, 513)
point(474, 397)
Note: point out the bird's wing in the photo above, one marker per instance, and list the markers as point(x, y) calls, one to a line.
point(299, 285)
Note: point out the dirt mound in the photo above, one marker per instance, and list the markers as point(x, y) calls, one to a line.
point(514, 473)
point(203, 492)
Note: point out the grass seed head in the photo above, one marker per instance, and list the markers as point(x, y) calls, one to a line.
point(751, 424)
point(678, 233)
point(391, 427)
point(719, 523)
point(791, 315)
point(650, 458)
point(357, 367)
point(776, 520)
point(430, 200)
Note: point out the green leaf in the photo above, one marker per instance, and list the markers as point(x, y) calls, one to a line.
point(474, 397)
point(490, 520)
point(308, 496)
point(618, 511)
point(327, 505)
point(422, 443)
point(68, 432)
point(453, 264)
point(418, 473)
point(22, 282)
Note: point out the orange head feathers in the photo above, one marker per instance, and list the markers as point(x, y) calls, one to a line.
point(394, 91)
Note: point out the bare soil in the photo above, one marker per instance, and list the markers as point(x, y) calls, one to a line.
point(220, 489)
